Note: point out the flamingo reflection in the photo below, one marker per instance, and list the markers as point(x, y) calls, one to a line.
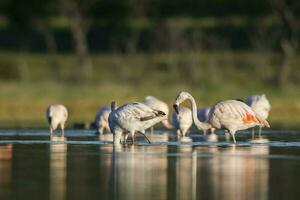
point(186, 172)
point(6, 154)
point(238, 173)
point(58, 166)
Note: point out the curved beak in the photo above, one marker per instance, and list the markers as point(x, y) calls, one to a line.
point(175, 106)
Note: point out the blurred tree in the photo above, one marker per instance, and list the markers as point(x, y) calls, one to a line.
point(34, 14)
point(78, 14)
point(137, 10)
point(285, 11)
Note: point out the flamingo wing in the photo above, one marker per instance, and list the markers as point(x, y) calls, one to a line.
point(139, 111)
point(231, 113)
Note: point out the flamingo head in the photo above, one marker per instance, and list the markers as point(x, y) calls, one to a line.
point(113, 106)
point(182, 96)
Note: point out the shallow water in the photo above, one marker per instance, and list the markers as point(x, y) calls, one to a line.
point(82, 165)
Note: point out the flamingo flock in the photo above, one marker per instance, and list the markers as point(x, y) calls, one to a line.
point(136, 117)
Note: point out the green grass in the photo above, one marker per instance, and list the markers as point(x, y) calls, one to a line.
point(209, 76)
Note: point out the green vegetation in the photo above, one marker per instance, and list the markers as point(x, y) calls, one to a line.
point(211, 76)
point(86, 53)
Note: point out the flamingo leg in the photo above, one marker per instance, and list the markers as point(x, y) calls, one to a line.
point(178, 132)
point(51, 131)
point(145, 136)
point(117, 137)
point(125, 137)
point(253, 133)
point(234, 139)
point(184, 133)
point(232, 132)
point(212, 130)
point(227, 135)
point(187, 133)
point(101, 130)
point(132, 136)
point(62, 129)
point(259, 132)
point(152, 130)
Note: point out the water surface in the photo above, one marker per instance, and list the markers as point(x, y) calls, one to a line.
point(82, 165)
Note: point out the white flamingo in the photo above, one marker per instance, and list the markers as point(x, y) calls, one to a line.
point(232, 115)
point(132, 118)
point(57, 114)
point(261, 105)
point(158, 104)
point(182, 121)
point(101, 119)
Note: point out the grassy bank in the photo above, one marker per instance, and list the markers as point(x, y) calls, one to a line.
point(34, 83)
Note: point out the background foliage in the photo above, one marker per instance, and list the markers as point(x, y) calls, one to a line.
point(87, 53)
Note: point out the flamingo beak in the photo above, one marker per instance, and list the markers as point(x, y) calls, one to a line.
point(175, 106)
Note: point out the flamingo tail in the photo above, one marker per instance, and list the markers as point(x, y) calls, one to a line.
point(263, 122)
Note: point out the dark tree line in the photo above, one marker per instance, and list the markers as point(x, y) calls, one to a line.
point(121, 16)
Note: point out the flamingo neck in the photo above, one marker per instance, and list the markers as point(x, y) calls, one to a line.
point(167, 124)
point(199, 125)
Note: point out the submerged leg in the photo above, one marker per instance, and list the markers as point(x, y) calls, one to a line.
point(132, 136)
point(152, 130)
point(107, 129)
point(101, 130)
point(259, 132)
point(51, 131)
point(117, 137)
point(227, 134)
point(212, 130)
point(253, 133)
point(125, 137)
point(145, 136)
point(187, 132)
point(62, 127)
point(178, 132)
point(184, 133)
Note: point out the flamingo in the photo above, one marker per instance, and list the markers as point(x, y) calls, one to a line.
point(158, 104)
point(131, 118)
point(232, 115)
point(57, 114)
point(261, 106)
point(182, 121)
point(101, 119)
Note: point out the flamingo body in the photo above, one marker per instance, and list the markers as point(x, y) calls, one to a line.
point(183, 120)
point(232, 115)
point(158, 104)
point(57, 115)
point(101, 119)
point(260, 104)
point(133, 117)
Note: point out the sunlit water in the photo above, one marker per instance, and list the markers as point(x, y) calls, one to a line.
point(82, 165)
